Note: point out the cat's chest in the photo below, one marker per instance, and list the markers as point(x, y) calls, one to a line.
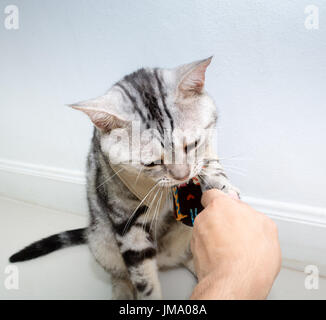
point(174, 245)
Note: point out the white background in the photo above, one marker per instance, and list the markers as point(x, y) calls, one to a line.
point(268, 78)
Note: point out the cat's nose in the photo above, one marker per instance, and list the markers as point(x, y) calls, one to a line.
point(179, 171)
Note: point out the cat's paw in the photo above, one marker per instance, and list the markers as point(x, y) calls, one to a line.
point(150, 294)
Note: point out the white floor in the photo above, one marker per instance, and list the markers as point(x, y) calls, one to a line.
point(72, 273)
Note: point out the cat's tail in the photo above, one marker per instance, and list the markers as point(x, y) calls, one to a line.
point(50, 244)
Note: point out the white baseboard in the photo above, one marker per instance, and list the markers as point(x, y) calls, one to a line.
point(59, 174)
point(302, 232)
point(302, 228)
point(46, 186)
point(291, 212)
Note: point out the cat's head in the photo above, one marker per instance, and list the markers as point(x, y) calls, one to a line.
point(158, 121)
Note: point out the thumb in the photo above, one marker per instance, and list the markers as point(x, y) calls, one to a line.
point(210, 195)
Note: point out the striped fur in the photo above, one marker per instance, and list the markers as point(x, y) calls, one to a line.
point(123, 238)
point(50, 244)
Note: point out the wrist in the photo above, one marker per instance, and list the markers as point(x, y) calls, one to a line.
point(230, 283)
point(212, 287)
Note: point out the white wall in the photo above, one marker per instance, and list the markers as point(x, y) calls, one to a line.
point(268, 78)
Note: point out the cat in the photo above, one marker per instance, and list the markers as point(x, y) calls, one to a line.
point(121, 233)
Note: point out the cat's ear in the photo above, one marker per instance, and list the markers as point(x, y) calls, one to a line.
point(102, 113)
point(192, 76)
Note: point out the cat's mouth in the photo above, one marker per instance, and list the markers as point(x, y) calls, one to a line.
point(170, 182)
point(167, 182)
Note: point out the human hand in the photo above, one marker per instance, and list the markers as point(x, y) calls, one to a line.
point(236, 250)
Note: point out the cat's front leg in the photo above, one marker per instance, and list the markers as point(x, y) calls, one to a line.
point(213, 176)
point(139, 254)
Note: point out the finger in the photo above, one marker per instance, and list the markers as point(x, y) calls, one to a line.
point(210, 195)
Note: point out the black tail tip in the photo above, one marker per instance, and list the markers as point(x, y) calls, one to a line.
point(13, 259)
point(17, 257)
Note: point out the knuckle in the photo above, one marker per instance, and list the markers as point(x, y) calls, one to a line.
point(215, 203)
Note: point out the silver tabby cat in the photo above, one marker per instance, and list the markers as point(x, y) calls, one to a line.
point(120, 234)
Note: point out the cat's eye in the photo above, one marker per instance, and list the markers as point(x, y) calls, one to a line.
point(151, 164)
point(191, 146)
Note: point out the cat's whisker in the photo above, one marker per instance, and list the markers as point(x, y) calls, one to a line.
point(108, 179)
point(243, 174)
point(234, 158)
point(234, 167)
point(156, 219)
point(225, 166)
point(141, 169)
point(209, 171)
point(149, 209)
point(141, 202)
point(156, 209)
point(236, 170)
